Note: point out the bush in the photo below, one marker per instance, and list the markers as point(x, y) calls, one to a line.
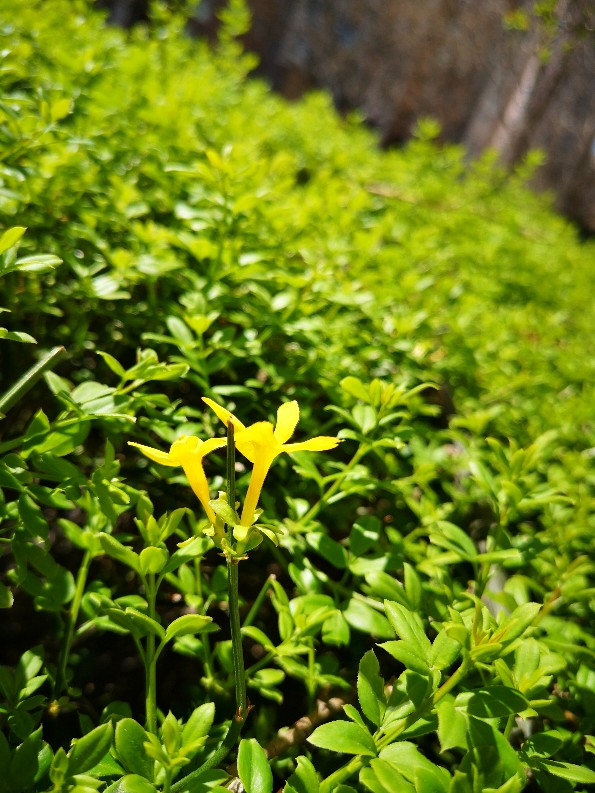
point(428, 602)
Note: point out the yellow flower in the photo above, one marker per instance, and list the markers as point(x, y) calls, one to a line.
point(261, 443)
point(188, 452)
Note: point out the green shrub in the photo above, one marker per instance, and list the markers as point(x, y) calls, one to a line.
point(434, 569)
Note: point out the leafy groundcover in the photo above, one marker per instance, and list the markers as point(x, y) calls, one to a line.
point(374, 574)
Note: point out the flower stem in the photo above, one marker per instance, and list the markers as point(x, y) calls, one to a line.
point(315, 508)
point(73, 613)
point(151, 662)
point(236, 638)
point(233, 588)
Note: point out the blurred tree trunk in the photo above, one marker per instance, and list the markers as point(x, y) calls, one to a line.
point(494, 73)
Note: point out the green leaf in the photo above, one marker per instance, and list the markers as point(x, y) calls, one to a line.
point(494, 702)
point(364, 535)
point(113, 364)
point(60, 108)
point(491, 753)
point(354, 714)
point(258, 636)
point(415, 767)
point(253, 767)
point(364, 618)
point(17, 335)
point(513, 785)
point(33, 520)
point(199, 723)
point(87, 751)
point(381, 777)
point(129, 743)
point(6, 597)
point(345, 737)
point(187, 624)
point(413, 587)
point(131, 783)
point(526, 661)
point(370, 689)
point(408, 626)
point(386, 587)
point(448, 535)
point(543, 744)
point(335, 630)
point(60, 441)
point(444, 652)
point(365, 418)
point(517, 623)
point(304, 778)
point(37, 264)
point(152, 560)
point(25, 762)
point(452, 725)
point(408, 654)
point(355, 388)
point(11, 237)
point(144, 624)
point(116, 550)
point(573, 773)
point(328, 548)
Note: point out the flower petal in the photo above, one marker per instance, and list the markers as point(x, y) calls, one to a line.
point(163, 458)
point(288, 416)
point(191, 445)
point(321, 443)
point(211, 444)
point(224, 414)
point(257, 441)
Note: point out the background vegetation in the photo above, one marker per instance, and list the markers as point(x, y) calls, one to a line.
point(189, 234)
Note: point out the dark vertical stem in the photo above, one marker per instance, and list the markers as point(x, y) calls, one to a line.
point(233, 587)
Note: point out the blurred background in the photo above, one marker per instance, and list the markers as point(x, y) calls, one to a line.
point(507, 75)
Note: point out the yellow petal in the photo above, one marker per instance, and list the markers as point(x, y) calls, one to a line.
point(320, 444)
point(257, 440)
point(224, 414)
point(163, 458)
point(212, 443)
point(187, 445)
point(288, 416)
point(184, 445)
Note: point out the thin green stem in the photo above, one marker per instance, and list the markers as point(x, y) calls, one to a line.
point(311, 679)
point(233, 587)
point(31, 376)
point(239, 717)
point(81, 581)
point(59, 425)
point(510, 722)
point(262, 662)
point(215, 759)
point(151, 661)
point(444, 689)
point(483, 576)
point(236, 637)
point(258, 600)
point(357, 763)
point(315, 508)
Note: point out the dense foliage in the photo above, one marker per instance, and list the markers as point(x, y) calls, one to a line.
point(172, 230)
